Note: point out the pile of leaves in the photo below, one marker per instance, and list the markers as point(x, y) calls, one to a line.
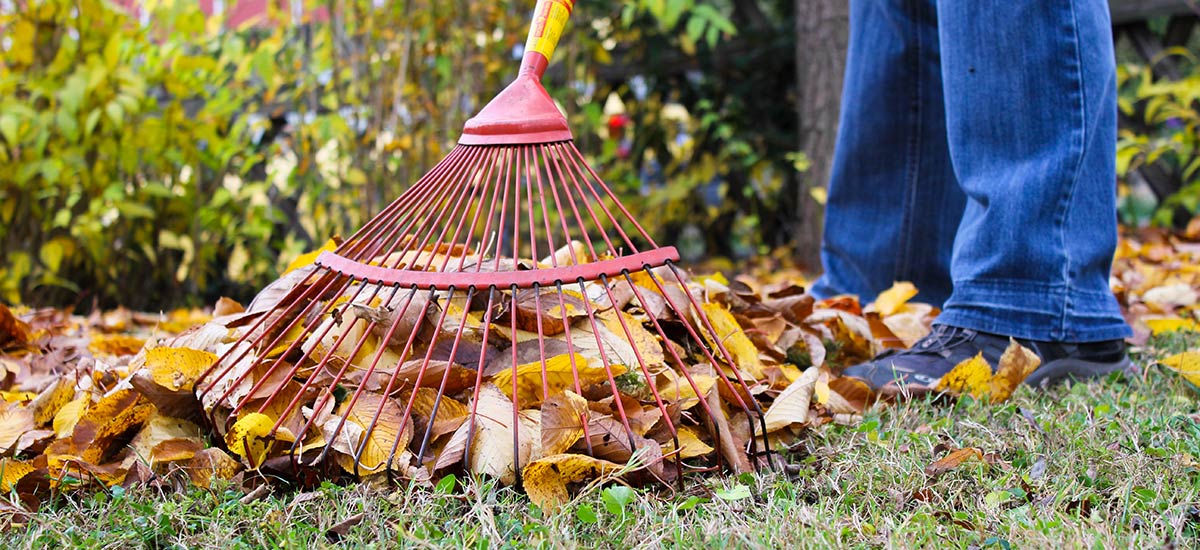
point(114, 400)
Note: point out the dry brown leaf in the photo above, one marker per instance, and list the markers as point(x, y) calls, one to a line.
point(211, 463)
point(15, 420)
point(14, 333)
point(1016, 364)
point(562, 422)
point(957, 457)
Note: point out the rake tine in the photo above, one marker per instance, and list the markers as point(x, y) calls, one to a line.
point(445, 378)
point(583, 420)
point(717, 339)
point(612, 382)
point(487, 323)
point(317, 407)
point(392, 379)
point(516, 397)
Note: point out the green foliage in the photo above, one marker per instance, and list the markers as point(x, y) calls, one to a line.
point(1164, 133)
point(181, 161)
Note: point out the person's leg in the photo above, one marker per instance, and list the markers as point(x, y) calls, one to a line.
point(1030, 90)
point(1031, 119)
point(893, 202)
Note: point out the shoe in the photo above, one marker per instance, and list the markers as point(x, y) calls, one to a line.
point(920, 368)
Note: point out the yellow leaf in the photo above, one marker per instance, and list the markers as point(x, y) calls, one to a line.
point(1187, 364)
point(248, 438)
point(972, 376)
point(450, 412)
point(68, 416)
point(558, 377)
point(792, 404)
point(177, 368)
point(115, 344)
point(546, 479)
point(1160, 326)
point(386, 416)
point(11, 473)
point(308, 258)
point(1017, 363)
point(160, 429)
point(562, 422)
point(46, 406)
point(680, 390)
point(730, 334)
point(891, 300)
point(208, 464)
point(689, 444)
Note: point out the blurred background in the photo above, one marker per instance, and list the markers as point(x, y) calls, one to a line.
point(167, 152)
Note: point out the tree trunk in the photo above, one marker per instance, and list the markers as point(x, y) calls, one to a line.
point(822, 28)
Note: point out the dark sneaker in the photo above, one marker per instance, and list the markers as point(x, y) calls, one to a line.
point(920, 368)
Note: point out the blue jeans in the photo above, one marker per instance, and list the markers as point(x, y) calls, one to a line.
point(976, 158)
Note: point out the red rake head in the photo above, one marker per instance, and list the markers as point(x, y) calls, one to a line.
point(506, 309)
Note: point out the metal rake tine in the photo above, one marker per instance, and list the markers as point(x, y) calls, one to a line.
point(704, 349)
point(587, 438)
point(566, 189)
point(414, 194)
point(516, 398)
point(204, 376)
point(299, 341)
point(437, 401)
point(392, 379)
point(683, 368)
point(574, 151)
point(591, 314)
point(487, 322)
point(419, 217)
point(457, 190)
point(366, 376)
point(717, 339)
point(324, 360)
point(252, 345)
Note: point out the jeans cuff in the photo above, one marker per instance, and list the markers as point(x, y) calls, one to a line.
point(1035, 311)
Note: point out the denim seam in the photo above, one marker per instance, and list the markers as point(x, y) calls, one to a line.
point(1079, 141)
point(912, 159)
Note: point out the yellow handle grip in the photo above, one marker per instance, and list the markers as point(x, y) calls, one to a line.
point(549, 18)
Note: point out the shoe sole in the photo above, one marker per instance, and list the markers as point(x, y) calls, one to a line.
point(1078, 369)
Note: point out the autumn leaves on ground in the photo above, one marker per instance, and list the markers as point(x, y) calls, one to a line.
point(112, 399)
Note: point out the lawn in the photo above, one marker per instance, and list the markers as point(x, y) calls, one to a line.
point(1107, 464)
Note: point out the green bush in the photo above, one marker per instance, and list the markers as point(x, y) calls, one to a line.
point(1162, 139)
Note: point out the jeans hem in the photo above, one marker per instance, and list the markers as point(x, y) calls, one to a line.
point(1035, 311)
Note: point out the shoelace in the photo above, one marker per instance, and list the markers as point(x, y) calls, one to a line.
point(944, 336)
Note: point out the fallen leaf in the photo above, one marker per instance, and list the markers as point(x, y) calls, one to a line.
point(891, 300)
point(177, 368)
point(336, 533)
point(730, 335)
point(371, 432)
point(559, 374)
point(248, 438)
point(971, 376)
point(545, 480)
point(491, 452)
point(15, 420)
point(562, 422)
point(690, 445)
point(115, 344)
point(208, 464)
point(1016, 364)
point(14, 333)
point(958, 457)
point(12, 472)
point(791, 406)
point(1186, 364)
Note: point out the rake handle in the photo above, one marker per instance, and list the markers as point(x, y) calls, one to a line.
point(549, 18)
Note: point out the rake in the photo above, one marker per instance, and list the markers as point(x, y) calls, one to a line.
point(510, 259)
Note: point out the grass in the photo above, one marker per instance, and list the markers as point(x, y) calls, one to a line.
point(1108, 464)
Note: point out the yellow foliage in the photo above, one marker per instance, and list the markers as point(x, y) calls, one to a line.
point(730, 334)
point(1187, 364)
point(558, 377)
point(248, 438)
point(891, 300)
point(177, 368)
point(546, 479)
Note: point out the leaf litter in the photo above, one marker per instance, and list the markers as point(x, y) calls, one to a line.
point(110, 399)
